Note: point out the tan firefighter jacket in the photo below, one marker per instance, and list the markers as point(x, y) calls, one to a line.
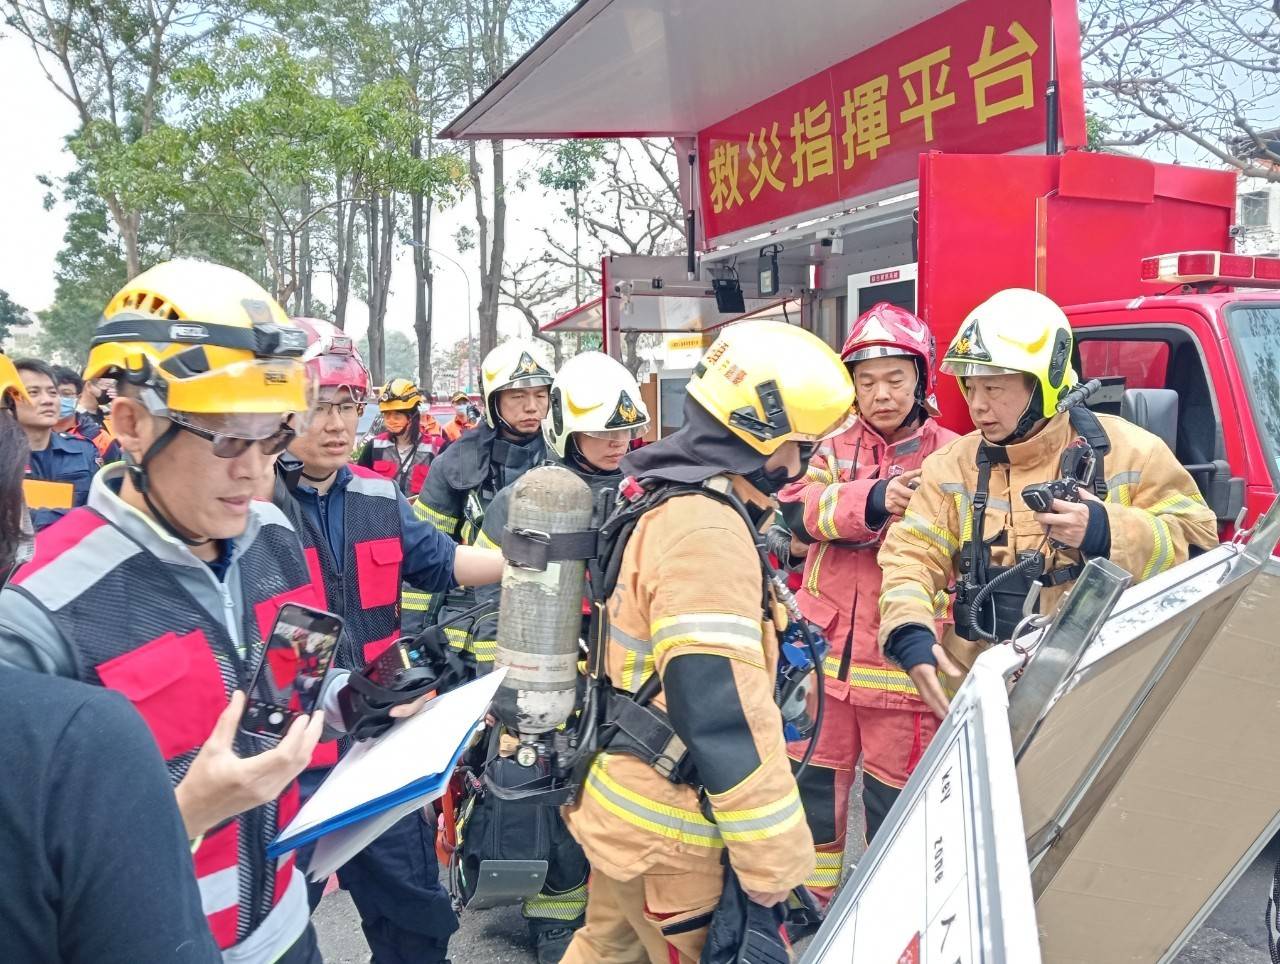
point(690, 583)
point(1153, 506)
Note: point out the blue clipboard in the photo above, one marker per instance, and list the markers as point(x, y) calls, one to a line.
point(431, 786)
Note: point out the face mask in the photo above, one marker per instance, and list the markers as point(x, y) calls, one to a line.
point(66, 407)
point(461, 411)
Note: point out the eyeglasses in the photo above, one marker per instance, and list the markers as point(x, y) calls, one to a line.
point(232, 447)
point(619, 434)
point(348, 410)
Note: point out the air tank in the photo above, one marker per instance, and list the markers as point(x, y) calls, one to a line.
point(540, 620)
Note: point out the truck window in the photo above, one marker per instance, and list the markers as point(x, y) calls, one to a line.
point(1142, 364)
point(1255, 331)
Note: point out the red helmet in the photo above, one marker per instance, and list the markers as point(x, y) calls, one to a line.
point(332, 360)
point(886, 331)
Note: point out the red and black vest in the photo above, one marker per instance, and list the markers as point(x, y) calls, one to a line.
point(137, 629)
point(410, 473)
point(366, 593)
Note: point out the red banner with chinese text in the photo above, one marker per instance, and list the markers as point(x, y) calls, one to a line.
point(970, 80)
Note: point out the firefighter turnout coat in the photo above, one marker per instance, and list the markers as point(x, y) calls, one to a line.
point(1155, 512)
point(841, 588)
point(689, 606)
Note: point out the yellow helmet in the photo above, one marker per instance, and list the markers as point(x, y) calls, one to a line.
point(513, 364)
point(202, 339)
point(11, 387)
point(769, 383)
point(1016, 331)
point(399, 395)
point(596, 395)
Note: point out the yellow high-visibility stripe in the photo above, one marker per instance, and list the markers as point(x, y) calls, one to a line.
point(885, 680)
point(484, 542)
point(567, 906)
point(827, 871)
point(1181, 505)
point(1120, 487)
point(1162, 550)
point(911, 592)
point(416, 601)
point(725, 629)
point(674, 823)
point(763, 822)
point(828, 502)
point(929, 535)
point(815, 567)
point(941, 604)
point(445, 523)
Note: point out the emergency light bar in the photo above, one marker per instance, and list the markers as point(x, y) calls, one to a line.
point(1216, 267)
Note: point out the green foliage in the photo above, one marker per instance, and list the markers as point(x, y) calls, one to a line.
point(1097, 130)
point(12, 315)
point(401, 352)
point(571, 166)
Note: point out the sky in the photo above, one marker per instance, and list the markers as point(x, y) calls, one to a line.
point(35, 123)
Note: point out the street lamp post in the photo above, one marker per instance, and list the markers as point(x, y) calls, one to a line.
point(471, 372)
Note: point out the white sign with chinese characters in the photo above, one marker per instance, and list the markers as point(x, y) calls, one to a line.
point(946, 880)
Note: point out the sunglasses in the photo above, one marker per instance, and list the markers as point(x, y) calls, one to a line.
point(232, 446)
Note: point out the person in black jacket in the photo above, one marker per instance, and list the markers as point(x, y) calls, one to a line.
point(595, 414)
point(97, 866)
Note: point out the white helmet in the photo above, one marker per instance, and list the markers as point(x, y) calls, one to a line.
point(596, 395)
point(513, 364)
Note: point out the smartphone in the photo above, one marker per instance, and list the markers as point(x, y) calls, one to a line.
point(291, 672)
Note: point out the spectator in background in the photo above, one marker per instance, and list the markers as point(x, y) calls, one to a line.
point(108, 883)
point(72, 421)
point(60, 468)
point(466, 416)
point(95, 400)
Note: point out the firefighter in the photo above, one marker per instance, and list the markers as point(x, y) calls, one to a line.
point(404, 452)
point(60, 467)
point(857, 484)
point(968, 522)
point(515, 384)
point(165, 585)
point(362, 535)
point(595, 413)
point(465, 417)
point(691, 606)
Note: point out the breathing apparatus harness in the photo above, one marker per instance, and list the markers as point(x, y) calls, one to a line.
point(990, 601)
point(617, 721)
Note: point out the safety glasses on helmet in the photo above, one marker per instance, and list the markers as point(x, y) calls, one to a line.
point(232, 435)
point(618, 434)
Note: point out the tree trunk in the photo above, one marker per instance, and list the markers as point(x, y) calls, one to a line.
point(377, 352)
point(303, 298)
point(421, 227)
point(491, 273)
point(345, 220)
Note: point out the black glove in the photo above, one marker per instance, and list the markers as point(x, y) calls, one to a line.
point(778, 541)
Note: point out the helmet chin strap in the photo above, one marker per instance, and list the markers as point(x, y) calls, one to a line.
point(578, 459)
point(1029, 420)
point(141, 481)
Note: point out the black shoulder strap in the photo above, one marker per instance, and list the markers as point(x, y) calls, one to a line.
point(1087, 424)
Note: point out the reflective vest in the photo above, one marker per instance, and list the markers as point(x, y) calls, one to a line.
point(411, 473)
point(366, 594)
point(135, 629)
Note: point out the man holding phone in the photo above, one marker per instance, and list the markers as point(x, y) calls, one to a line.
point(363, 538)
point(165, 586)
